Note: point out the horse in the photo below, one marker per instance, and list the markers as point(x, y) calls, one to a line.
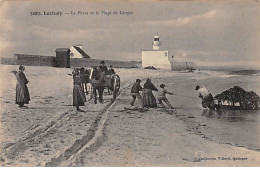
point(84, 76)
point(97, 78)
point(99, 81)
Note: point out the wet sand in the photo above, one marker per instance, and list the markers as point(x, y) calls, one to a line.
point(163, 137)
point(51, 133)
point(226, 126)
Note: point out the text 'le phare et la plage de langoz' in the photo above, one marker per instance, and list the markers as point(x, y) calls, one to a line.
point(90, 13)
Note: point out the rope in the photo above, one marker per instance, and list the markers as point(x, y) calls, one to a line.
point(186, 96)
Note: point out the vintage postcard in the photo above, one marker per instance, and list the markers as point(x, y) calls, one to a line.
point(129, 83)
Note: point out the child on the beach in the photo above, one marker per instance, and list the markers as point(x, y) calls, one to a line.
point(161, 96)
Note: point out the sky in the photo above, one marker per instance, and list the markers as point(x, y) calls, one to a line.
point(209, 33)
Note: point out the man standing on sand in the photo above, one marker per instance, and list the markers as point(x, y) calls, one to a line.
point(161, 96)
point(135, 92)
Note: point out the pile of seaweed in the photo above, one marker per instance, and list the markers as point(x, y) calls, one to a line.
point(245, 72)
point(247, 100)
point(150, 67)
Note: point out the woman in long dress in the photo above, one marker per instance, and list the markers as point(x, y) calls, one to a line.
point(22, 92)
point(148, 97)
point(78, 92)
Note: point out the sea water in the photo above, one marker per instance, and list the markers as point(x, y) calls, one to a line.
point(234, 127)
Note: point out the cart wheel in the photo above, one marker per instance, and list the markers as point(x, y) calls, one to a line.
point(114, 92)
point(116, 86)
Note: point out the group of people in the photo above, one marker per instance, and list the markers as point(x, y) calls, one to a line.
point(147, 99)
point(104, 68)
point(98, 79)
point(82, 76)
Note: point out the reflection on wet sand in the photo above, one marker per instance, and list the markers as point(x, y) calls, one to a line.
point(230, 115)
point(233, 127)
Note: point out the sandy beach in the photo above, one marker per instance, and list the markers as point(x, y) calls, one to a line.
point(50, 132)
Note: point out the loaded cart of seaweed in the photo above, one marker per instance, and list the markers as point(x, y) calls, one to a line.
point(237, 98)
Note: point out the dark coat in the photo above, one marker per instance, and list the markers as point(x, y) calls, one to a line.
point(149, 85)
point(103, 68)
point(78, 92)
point(22, 92)
point(136, 88)
point(148, 97)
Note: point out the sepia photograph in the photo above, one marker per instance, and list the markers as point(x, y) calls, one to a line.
point(117, 83)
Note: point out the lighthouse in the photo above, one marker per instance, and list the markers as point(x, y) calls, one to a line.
point(156, 43)
point(156, 57)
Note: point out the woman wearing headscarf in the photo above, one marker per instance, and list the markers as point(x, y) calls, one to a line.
point(148, 97)
point(78, 92)
point(22, 92)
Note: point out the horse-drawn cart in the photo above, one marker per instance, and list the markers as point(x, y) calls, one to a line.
point(95, 80)
point(234, 98)
point(112, 83)
point(100, 81)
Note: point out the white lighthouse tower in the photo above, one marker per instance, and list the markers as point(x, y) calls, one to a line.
point(156, 57)
point(156, 43)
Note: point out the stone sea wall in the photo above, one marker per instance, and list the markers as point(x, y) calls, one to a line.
point(38, 60)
